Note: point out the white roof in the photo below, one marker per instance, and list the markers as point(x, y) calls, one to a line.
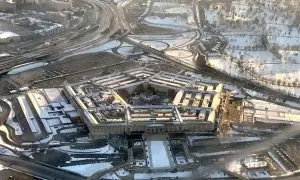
point(7, 34)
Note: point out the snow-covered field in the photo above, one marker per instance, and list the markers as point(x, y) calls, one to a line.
point(178, 15)
point(243, 24)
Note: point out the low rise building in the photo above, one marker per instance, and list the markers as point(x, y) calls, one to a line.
point(146, 101)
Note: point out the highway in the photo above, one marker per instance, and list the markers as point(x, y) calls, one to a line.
point(74, 41)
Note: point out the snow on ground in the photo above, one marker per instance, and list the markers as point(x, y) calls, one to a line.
point(185, 174)
point(53, 122)
point(6, 152)
point(170, 7)
point(110, 176)
point(83, 139)
point(214, 153)
point(245, 44)
point(284, 41)
point(15, 126)
point(26, 67)
point(233, 139)
point(234, 166)
point(181, 160)
point(257, 57)
point(71, 130)
point(172, 21)
point(285, 72)
point(290, 57)
point(100, 48)
point(156, 45)
point(7, 34)
point(242, 40)
point(182, 55)
point(129, 50)
point(108, 149)
point(121, 172)
point(211, 16)
point(158, 154)
point(2, 167)
point(179, 37)
point(4, 54)
point(226, 66)
point(177, 15)
point(179, 53)
point(160, 41)
point(256, 174)
point(88, 169)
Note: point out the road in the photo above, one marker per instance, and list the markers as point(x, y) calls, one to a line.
point(4, 111)
point(37, 169)
point(210, 72)
point(79, 40)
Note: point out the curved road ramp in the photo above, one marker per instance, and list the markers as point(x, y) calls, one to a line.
point(4, 111)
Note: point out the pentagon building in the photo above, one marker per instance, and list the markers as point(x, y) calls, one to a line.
point(145, 101)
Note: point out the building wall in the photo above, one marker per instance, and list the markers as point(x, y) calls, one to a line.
point(102, 129)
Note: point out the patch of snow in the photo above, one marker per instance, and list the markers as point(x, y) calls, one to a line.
point(71, 130)
point(16, 126)
point(4, 54)
point(88, 169)
point(108, 149)
point(2, 167)
point(238, 139)
point(158, 154)
point(7, 34)
point(19, 69)
point(121, 172)
point(110, 176)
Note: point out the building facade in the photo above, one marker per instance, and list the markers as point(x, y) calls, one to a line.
point(146, 101)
